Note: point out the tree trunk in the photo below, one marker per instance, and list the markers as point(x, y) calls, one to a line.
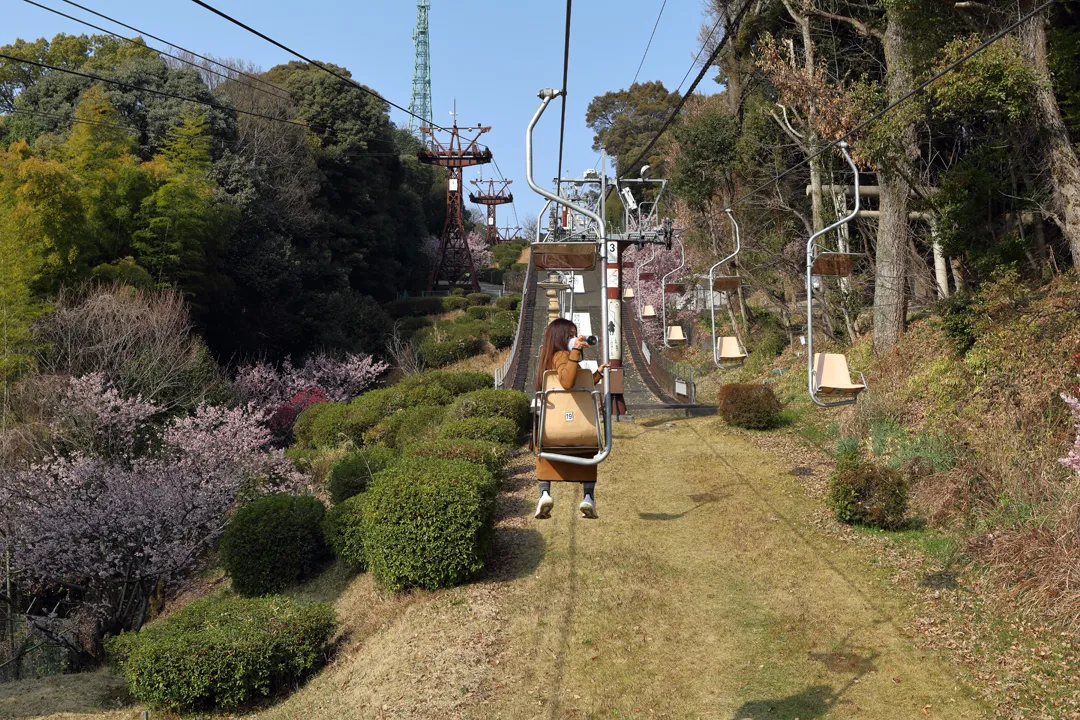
point(890, 306)
point(1059, 155)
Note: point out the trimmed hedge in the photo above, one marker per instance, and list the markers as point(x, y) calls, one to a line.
point(404, 427)
point(458, 292)
point(344, 532)
point(492, 402)
point(493, 429)
point(221, 652)
point(750, 406)
point(303, 427)
point(351, 474)
point(481, 312)
point(501, 335)
point(490, 456)
point(331, 427)
point(415, 306)
point(870, 495)
point(508, 302)
point(478, 298)
point(447, 352)
point(462, 382)
point(428, 523)
point(272, 542)
point(455, 303)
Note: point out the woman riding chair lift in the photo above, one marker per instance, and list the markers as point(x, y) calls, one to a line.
point(728, 351)
point(828, 376)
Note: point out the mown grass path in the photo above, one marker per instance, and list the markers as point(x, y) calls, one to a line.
point(704, 591)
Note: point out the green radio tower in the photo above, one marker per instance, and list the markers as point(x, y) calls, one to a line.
point(421, 82)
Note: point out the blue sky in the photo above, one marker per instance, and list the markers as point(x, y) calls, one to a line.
point(491, 55)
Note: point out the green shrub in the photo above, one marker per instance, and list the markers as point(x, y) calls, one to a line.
point(329, 428)
point(478, 298)
point(481, 312)
point(351, 474)
point(749, 406)
point(439, 354)
point(449, 304)
point(303, 427)
point(412, 425)
point(869, 495)
point(506, 317)
point(344, 532)
point(428, 523)
point(221, 652)
point(458, 292)
point(489, 455)
point(417, 390)
point(462, 382)
point(492, 402)
point(501, 335)
point(846, 454)
point(272, 542)
point(508, 302)
point(408, 327)
point(493, 429)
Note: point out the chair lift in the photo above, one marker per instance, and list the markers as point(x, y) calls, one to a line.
point(673, 334)
point(646, 311)
point(827, 373)
point(567, 427)
point(728, 351)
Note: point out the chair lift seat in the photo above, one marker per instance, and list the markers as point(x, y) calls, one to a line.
point(648, 311)
point(835, 263)
point(729, 348)
point(831, 375)
point(571, 420)
point(628, 293)
point(564, 256)
point(726, 283)
point(648, 276)
point(672, 288)
point(675, 334)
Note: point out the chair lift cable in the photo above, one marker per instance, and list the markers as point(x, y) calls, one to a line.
point(649, 44)
point(565, 74)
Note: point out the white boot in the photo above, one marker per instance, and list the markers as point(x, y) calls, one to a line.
point(588, 508)
point(543, 508)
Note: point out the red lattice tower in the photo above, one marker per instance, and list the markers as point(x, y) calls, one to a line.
point(493, 198)
point(453, 261)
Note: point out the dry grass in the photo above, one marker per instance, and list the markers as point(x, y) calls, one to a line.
point(99, 695)
point(486, 361)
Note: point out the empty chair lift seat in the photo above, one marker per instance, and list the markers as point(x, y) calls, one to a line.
point(675, 334)
point(832, 377)
point(564, 256)
point(725, 283)
point(569, 425)
point(648, 311)
point(730, 349)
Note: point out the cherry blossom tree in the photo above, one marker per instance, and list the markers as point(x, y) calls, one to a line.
point(1072, 460)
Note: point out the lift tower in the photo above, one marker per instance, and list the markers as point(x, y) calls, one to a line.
point(492, 199)
point(421, 83)
point(453, 261)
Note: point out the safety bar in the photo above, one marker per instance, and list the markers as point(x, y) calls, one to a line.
point(712, 295)
point(663, 289)
point(810, 245)
point(546, 96)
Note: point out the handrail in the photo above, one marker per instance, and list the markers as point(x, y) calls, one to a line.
point(712, 294)
point(500, 373)
point(810, 285)
point(546, 96)
point(663, 289)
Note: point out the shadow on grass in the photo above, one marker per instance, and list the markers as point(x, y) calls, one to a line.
point(701, 500)
point(813, 702)
point(516, 553)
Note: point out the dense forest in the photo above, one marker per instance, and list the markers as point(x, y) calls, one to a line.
point(283, 204)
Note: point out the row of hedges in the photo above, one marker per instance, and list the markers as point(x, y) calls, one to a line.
point(415, 307)
point(443, 343)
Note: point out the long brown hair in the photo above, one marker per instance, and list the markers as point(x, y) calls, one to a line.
point(556, 337)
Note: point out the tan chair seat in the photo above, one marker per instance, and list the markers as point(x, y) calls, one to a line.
point(726, 283)
point(675, 288)
point(729, 348)
point(628, 293)
point(648, 311)
point(564, 256)
point(571, 419)
point(675, 334)
point(837, 264)
point(831, 375)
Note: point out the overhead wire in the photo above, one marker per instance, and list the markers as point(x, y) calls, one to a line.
point(250, 76)
point(282, 96)
point(689, 91)
point(649, 44)
point(162, 93)
point(701, 49)
point(565, 75)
